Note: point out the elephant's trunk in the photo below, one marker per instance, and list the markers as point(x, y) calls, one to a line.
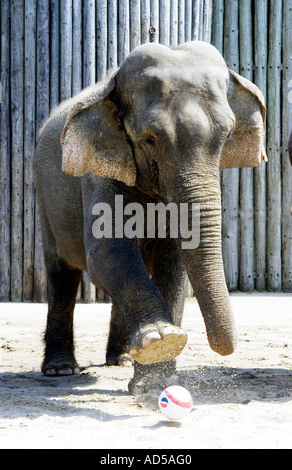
point(204, 264)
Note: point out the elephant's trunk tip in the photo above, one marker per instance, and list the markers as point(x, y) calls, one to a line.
point(225, 346)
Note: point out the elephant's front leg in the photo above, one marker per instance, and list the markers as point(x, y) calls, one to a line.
point(114, 262)
point(167, 272)
point(148, 326)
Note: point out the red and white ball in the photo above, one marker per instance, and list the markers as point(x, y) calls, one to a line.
point(175, 402)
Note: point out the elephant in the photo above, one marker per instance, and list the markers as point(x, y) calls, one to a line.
point(157, 130)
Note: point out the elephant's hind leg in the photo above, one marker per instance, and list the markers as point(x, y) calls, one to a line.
point(63, 282)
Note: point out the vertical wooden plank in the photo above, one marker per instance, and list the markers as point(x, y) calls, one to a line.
point(164, 22)
point(54, 54)
point(218, 24)
point(196, 20)
point(173, 23)
point(188, 20)
point(77, 47)
point(246, 38)
point(123, 31)
point(89, 43)
point(89, 73)
point(181, 22)
point(145, 21)
point(273, 147)
point(29, 144)
point(5, 149)
point(135, 24)
point(246, 276)
point(42, 112)
point(100, 295)
point(260, 77)
point(201, 20)
point(286, 166)
point(230, 178)
point(112, 59)
point(207, 20)
point(88, 289)
point(101, 39)
point(66, 49)
point(154, 20)
point(17, 108)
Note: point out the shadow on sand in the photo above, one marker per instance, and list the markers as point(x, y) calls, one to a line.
point(32, 395)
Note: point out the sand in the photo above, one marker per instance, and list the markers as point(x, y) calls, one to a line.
point(242, 401)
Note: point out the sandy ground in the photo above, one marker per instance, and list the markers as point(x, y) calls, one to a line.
point(240, 401)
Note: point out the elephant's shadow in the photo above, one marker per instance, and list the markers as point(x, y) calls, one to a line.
point(213, 385)
point(32, 395)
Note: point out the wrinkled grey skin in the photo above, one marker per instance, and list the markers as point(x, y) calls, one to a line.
point(152, 131)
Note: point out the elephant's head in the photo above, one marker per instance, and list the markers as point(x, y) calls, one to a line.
point(167, 121)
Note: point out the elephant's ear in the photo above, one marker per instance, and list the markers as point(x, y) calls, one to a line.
point(245, 146)
point(93, 139)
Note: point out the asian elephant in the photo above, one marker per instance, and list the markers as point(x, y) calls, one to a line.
point(158, 129)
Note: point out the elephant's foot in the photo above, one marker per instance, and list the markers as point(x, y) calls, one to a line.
point(152, 377)
point(60, 366)
point(158, 343)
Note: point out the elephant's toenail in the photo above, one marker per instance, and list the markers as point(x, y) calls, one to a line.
point(149, 337)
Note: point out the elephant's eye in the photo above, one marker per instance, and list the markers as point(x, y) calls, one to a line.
point(150, 141)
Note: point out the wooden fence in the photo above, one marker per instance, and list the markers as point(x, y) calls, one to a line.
point(50, 49)
point(255, 38)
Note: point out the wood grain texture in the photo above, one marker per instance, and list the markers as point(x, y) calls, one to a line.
point(50, 50)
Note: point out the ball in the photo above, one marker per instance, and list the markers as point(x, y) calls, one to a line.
point(175, 402)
